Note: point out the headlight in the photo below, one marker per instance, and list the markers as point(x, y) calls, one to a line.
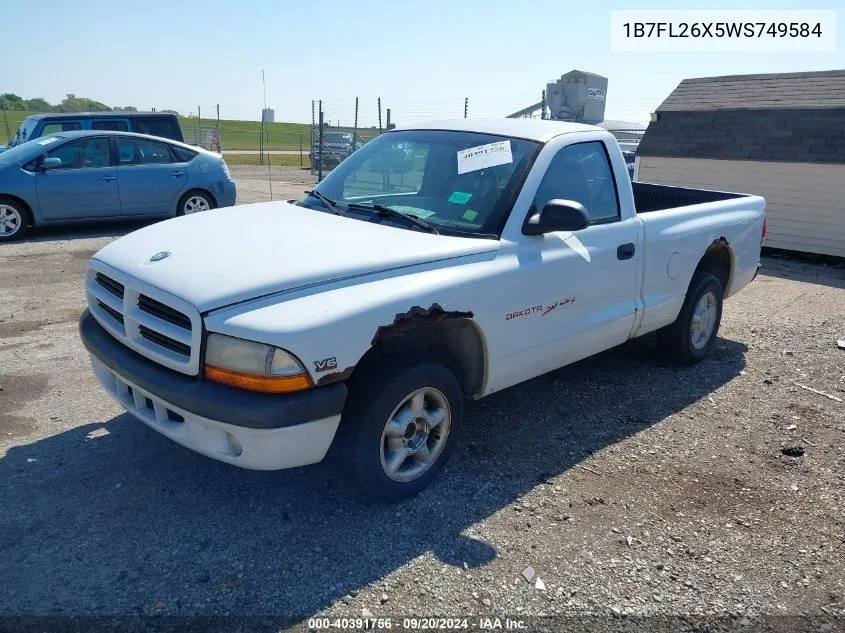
point(254, 366)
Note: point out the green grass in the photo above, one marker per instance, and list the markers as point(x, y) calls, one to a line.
point(283, 160)
point(243, 135)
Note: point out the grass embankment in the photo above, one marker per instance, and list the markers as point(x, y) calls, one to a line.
point(235, 135)
point(276, 160)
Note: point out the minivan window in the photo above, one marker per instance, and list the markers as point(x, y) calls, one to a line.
point(157, 126)
point(117, 126)
point(59, 126)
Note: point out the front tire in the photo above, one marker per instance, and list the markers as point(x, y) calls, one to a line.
point(401, 424)
point(690, 337)
point(194, 202)
point(14, 220)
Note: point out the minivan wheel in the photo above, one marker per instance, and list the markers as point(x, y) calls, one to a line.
point(194, 202)
point(14, 220)
point(402, 423)
point(690, 337)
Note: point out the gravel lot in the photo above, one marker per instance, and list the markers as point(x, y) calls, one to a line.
point(629, 485)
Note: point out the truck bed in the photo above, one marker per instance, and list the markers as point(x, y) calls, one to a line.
point(652, 197)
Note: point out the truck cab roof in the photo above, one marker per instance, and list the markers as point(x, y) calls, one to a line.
point(530, 129)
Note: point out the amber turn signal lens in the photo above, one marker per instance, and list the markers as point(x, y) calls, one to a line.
point(275, 384)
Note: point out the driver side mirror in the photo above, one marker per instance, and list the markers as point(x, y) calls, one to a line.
point(51, 163)
point(557, 215)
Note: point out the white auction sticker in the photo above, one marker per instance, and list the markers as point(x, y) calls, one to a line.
point(490, 155)
point(47, 141)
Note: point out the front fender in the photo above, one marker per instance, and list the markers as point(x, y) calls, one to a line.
point(330, 328)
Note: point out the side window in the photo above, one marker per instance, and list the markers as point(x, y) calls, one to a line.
point(181, 154)
point(59, 126)
point(86, 152)
point(164, 127)
point(140, 151)
point(117, 126)
point(582, 172)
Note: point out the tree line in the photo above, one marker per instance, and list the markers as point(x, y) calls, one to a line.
point(71, 103)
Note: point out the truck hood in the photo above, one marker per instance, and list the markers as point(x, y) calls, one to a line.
point(226, 256)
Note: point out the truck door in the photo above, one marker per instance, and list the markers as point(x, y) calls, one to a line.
point(573, 292)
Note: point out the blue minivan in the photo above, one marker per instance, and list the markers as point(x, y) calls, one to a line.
point(161, 124)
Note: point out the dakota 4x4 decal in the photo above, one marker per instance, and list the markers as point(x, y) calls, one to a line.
point(539, 309)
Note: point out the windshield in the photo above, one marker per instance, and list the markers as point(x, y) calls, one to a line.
point(458, 182)
point(24, 132)
point(337, 138)
point(25, 152)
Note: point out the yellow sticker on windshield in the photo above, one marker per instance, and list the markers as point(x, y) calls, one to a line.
point(470, 215)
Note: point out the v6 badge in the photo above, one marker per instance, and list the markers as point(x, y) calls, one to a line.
point(326, 364)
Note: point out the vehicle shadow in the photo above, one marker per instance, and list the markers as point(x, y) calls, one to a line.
point(82, 231)
point(112, 518)
point(797, 270)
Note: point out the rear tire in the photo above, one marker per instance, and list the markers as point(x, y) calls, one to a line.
point(690, 337)
point(400, 427)
point(194, 202)
point(14, 219)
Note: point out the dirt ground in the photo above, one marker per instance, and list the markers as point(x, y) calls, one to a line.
point(631, 487)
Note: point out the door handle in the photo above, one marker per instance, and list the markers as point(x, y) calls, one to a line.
point(107, 178)
point(176, 174)
point(625, 251)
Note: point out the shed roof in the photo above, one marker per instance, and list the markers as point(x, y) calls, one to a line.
point(822, 89)
point(791, 117)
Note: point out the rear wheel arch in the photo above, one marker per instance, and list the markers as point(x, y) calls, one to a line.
point(718, 260)
point(194, 191)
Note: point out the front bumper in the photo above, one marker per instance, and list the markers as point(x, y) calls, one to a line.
point(247, 429)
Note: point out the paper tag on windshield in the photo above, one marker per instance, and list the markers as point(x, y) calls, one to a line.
point(483, 156)
point(47, 141)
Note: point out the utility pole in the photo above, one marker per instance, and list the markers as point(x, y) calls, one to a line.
point(9, 132)
point(388, 119)
point(218, 129)
point(354, 128)
point(320, 164)
point(543, 105)
point(199, 125)
point(379, 115)
point(466, 106)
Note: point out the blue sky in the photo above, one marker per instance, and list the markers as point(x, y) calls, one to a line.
point(421, 57)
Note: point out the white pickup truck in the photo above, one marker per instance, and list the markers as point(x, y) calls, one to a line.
point(438, 263)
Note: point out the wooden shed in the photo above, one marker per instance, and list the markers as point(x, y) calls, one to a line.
point(781, 136)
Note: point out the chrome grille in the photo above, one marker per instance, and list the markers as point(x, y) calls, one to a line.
point(164, 341)
point(162, 311)
point(164, 328)
point(110, 284)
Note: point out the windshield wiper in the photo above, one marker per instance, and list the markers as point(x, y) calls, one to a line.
point(382, 210)
point(330, 204)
